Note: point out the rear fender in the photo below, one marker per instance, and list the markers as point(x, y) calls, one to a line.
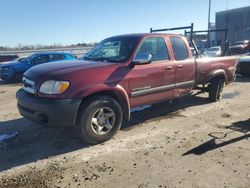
point(217, 73)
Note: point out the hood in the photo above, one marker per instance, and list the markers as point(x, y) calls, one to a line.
point(5, 62)
point(62, 68)
point(13, 64)
point(245, 59)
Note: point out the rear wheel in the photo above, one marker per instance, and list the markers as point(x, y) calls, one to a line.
point(99, 119)
point(216, 89)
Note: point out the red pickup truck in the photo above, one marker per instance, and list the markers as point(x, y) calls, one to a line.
point(97, 93)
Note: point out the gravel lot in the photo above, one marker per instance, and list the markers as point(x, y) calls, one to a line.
point(187, 143)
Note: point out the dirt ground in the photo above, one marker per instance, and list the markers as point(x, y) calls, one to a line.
point(187, 143)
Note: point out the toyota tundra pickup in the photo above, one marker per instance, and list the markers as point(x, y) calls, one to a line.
point(96, 94)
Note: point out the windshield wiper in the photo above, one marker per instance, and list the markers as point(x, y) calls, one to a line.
point(96, 58)
point(112, 60)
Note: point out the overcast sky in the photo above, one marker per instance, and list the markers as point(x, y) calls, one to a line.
point(77, 21)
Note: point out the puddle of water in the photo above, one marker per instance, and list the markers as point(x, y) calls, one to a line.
point(231, 95)
point(8, 136)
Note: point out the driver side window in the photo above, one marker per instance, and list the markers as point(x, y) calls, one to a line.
point(155, 46)
point(41, 59)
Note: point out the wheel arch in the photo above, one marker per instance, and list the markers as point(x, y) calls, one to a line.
point(117, 92)
point(217, 74)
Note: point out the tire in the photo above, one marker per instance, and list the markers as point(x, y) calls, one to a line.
point(99, 118)
point(215, 89)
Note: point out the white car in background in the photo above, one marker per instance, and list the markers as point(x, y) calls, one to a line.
point(213, 51)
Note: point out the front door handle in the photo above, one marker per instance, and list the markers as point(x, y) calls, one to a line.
point(179, 66)
point(169, 68)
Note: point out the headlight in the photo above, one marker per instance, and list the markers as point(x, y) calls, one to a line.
point(53, 87)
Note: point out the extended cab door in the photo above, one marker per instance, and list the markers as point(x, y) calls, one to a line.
point(185, 65)
point(148, 83)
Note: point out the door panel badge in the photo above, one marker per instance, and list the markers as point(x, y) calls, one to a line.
point(141, 88)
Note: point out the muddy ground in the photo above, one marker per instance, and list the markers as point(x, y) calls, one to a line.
point(187, 143)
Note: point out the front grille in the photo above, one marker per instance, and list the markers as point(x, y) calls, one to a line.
point(28, 85)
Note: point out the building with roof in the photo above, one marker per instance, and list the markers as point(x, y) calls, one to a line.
point(238, 23)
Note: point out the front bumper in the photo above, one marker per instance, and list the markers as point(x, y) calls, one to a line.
point(51, 112)
point(7, 75)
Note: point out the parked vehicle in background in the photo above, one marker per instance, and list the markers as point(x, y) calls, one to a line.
point(13, 71)
point(213, 51)
point(4, 58)
point(120, 73)
point(243, 66)
point(240, 47)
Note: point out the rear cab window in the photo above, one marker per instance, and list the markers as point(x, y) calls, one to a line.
point(179, 48)
point(155, 46)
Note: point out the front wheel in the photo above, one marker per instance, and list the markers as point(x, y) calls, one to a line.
point(99, 119)
point(215, 89)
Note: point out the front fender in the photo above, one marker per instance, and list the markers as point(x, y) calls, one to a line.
point(117, 90)
point(21, 69)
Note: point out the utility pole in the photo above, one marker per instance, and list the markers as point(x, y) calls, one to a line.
point(84, 34)
point(208, 24)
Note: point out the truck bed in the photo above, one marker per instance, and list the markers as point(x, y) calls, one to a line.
point(207, 68)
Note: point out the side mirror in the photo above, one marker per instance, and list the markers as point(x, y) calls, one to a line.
point(141, 59)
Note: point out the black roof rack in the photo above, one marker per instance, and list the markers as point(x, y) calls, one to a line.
point(210, 31)
point(191, 27)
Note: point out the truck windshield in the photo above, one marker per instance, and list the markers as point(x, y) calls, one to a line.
point(115, 49)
